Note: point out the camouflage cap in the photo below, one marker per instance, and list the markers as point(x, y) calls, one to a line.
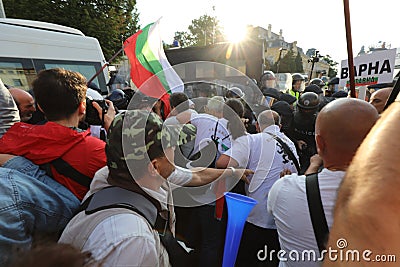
point(136, 135)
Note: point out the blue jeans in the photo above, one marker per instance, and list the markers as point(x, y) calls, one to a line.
point(30, 202)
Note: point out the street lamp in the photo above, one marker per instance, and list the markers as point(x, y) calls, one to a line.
point(313, 59)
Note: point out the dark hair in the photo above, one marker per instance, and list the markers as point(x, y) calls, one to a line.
point(179, 101)
point(233, 112)
point(59, 92)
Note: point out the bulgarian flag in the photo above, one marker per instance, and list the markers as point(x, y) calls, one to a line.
point(150, 69)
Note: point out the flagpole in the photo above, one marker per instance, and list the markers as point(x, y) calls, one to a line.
point(349, 47)
point(393, 94)
point(105, 65)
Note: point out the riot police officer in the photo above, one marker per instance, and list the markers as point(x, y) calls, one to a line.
point(318, 81)
point(297, 85)
point(303, 127)
point(268, 80)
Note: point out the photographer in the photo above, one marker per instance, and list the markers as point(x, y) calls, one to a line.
point(68, 154)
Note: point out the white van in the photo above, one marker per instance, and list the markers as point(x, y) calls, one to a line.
point(26, 47)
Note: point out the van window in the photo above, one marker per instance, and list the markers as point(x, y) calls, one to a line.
point(21, 72)
point(17, 73)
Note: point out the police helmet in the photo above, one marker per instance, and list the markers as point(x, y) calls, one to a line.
point(308, 101)
point(318, 82)
point(297, 77)
point(119, 99)
point(267, 75)
point(234, 92)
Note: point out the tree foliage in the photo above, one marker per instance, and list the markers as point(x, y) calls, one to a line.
point(202, 31)
point(298, 62)
point(185, 39)
point(332, 66)
point(110, 22)
point(289, 63)
point(311, 52)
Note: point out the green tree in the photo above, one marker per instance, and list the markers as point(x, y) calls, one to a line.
point(111, 22)
point(332, 66)
point(298, 62)
point(287, 63)
point(204, 31)
point(185, 39)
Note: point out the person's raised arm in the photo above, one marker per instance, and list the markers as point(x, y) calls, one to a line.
point(202, 176)
point(184, 117)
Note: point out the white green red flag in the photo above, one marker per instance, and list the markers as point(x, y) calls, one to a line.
point(150, 70)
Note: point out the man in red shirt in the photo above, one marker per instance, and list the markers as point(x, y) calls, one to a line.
point(71, 156)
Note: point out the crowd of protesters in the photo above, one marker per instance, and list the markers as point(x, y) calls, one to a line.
point(108, 198)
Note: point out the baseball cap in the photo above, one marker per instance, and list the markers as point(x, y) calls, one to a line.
point(136, 135)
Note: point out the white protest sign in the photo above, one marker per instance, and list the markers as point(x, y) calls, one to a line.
point(377, 67)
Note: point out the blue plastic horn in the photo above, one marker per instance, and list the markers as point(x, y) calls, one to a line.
point(239, 207)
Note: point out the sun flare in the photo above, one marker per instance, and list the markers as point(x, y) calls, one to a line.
point(235, 32)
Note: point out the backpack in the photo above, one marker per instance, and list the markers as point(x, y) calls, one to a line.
point(124, 201)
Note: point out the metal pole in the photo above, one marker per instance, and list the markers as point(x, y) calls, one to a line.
point(349, 47)
point(312, 69)
point(105, 65)
point(393, 94)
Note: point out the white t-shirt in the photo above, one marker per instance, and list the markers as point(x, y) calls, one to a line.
point(205, 125)
point(288, 204)
point(262, 154)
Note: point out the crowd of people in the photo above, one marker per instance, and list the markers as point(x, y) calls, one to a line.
point(149, 190)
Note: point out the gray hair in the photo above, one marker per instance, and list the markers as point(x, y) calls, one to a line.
point(216, 104)
point(268, 118)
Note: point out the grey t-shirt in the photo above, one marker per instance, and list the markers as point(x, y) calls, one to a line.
point(9, 113)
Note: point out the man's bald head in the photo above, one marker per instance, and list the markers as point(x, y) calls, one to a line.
point(341, 127)
point(268, 118)
point(379, 98)
point(25, 103)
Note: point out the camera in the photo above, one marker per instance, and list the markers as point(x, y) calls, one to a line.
point(92, 116)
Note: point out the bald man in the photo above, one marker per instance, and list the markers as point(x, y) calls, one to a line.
point(367, 210)
point(379, 98)
point(340, 128)
point(25, 103)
